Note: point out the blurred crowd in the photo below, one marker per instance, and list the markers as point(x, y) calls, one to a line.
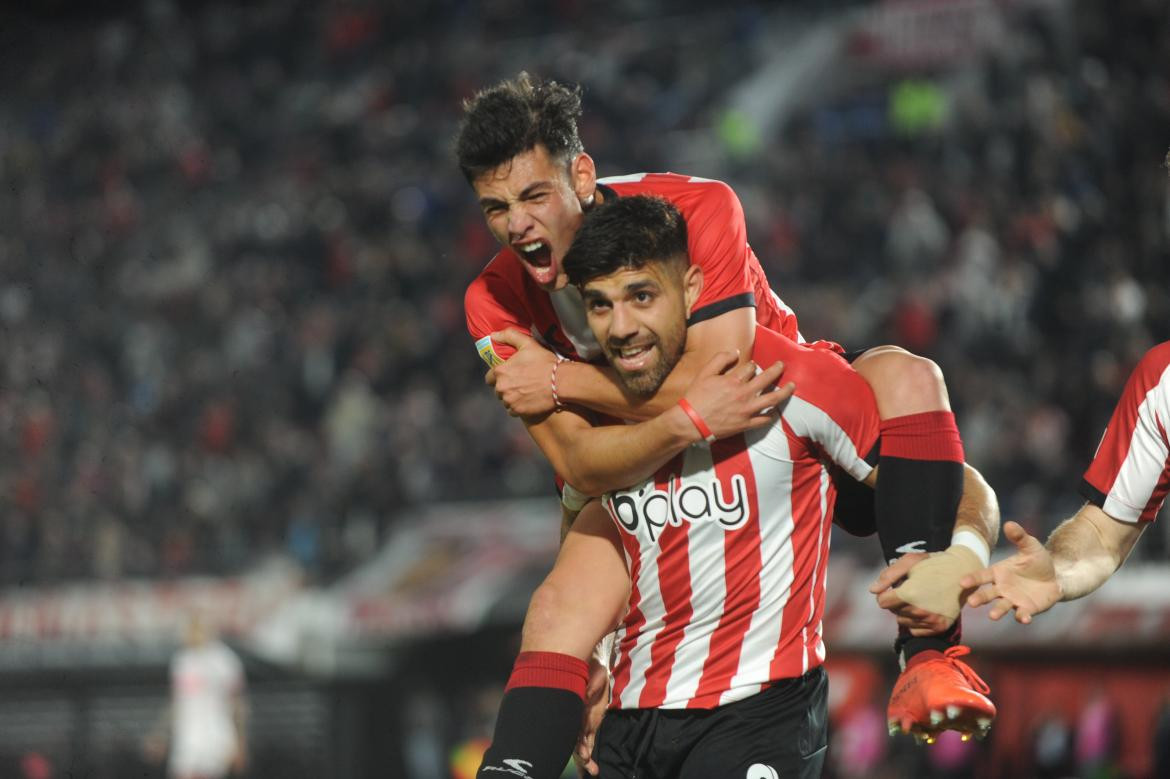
point(1022, 239)
point(235, 246)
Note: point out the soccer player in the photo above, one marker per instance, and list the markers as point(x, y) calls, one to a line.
point(207, 708)
point(1125, 486)
point(714, 567)
point(518, 147)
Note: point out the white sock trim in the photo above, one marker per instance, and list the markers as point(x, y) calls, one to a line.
point(975, 542)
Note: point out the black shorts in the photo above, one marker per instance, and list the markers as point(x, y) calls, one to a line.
point(779, 733)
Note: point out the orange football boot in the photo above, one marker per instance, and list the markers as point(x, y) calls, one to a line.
point(938, 692)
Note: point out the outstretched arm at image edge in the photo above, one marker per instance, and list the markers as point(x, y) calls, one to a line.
point(1080, 555)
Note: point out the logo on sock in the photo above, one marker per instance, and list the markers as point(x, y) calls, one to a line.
point(761, 771)
point(512, 766)
point(913, 546)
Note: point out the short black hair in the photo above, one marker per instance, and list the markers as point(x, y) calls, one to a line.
point(626, 232)
point(514, 116)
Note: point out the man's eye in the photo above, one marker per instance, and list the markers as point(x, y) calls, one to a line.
point(643, 297)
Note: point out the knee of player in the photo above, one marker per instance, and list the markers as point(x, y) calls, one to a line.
point(904, 383)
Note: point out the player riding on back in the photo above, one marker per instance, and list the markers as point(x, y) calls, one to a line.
point(519, 149)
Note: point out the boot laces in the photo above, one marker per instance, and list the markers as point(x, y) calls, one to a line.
point(952, 655)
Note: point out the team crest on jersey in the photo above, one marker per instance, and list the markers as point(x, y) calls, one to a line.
point(487, 351)
point(654, 509)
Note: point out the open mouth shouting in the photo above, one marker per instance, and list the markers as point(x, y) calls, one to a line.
point(537, 255)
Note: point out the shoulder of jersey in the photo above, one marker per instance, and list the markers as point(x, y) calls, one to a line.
point(1155, 362)
point(504, 265)
point(654, 183)
point(801, 363)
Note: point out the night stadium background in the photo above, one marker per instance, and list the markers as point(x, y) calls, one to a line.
point(234, 374)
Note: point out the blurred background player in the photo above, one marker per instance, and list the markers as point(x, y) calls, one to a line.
point(208, 708)
point(519, 148)
point(1125, 486)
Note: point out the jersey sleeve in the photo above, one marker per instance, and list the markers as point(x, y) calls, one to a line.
point(492, 304)
point(833, 407)
point(1130, 473)
point(717, 238)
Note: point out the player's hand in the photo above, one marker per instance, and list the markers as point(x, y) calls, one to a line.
point(596, 699)
point(523, 381)
point(919, 621)
point(1025, 582)
point(731, 398)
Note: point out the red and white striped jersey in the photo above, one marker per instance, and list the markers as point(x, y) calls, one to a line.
point(727, 546)
point(504, 295)
point(1130, 474)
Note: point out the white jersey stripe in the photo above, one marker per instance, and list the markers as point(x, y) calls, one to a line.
point(651, 604)
point(807, 420)
point(1146, 460)
point(817, 593)
point(769, 452)
point(705, 556)
point(1130, 473)
point(629, 178)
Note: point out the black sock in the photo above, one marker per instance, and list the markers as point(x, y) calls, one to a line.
point(539, 718)
point(920, 483)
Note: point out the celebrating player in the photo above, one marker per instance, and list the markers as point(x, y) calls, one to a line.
point(518, 147)
point(714, 566)
point(1125, 486)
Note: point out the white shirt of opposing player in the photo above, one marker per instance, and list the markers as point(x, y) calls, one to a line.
point(205, 681)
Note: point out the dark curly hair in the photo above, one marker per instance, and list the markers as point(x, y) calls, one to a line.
point(626, 232)
point(514, 116)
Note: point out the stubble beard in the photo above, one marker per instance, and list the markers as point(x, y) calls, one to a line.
point(645, 383)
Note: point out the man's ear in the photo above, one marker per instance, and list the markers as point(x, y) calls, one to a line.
point(583, 176)
point(692, 285)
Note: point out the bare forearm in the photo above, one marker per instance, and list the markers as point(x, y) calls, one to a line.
point(978, 508)
point(600, 459)
point(1083, 556)
point(598, 389)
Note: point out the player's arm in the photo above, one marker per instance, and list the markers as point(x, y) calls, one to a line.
point(523, 381)
point(1085, 550)
point(1088, 548)
point(724, 318)
point(599, 459)
point(728, 398)
point(1080, 555)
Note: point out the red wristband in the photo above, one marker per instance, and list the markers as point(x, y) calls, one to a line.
point(700, 425)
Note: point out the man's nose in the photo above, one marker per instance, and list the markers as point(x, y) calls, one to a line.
point(519, 221)
point(623, 324)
